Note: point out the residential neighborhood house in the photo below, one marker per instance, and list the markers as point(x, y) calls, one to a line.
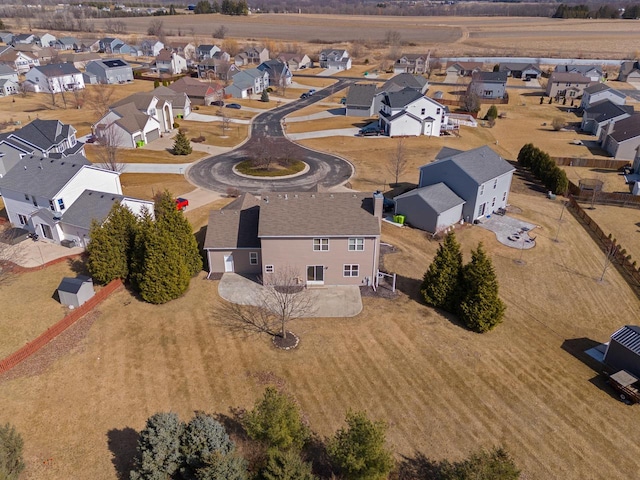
point(247, 82)
point(252, 56)
point(457, 186)
point(409, 113)
point(279, 73)
point(151, 47)
point(597, 92)
point(206, 51)
point(629, 71)
point(336, 59)
point(526, 71)
point(199, 93)
point(566, 85)
point(217, 69)
point(488, 85)
point(592, 72)
point(54, 78)
point(621, 139)
point(8, 81)
point(170, 62)
point(67, 43)
point(416, 63)
point(19, 61)
point(321, 238)
point(598, 115)
point(360, 101)
point(295, 61)
point(463, 69)
point(109, 71)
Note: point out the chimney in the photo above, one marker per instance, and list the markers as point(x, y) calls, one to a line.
point(378, 201)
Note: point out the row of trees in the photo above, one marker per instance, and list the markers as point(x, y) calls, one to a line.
point(469, 291)
point(157, 254)
point(603, 11)
point(544, 168)
point(281, 446)
point(226, 7)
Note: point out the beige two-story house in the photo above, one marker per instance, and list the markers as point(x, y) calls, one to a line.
point(323, 238)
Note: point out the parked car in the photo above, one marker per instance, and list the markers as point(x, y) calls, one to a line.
point(217, 103)
point(312, 91)
point(181, 203)
point(370, 130)
point(304, 95)
point(237, 106)
point(91, 139)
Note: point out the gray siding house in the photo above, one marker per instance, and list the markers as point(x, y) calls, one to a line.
point(360, 100)
point(623, 351)
point(622, 138)
point(521, 70)
point(433, 208)
point(480, 177)
point(566, 85)
point(599, 114)
point(112, 71)
point(488, 84)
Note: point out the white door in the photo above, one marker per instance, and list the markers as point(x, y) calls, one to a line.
point(228, 263)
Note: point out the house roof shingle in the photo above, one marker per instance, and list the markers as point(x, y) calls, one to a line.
point(43, 134)
point(568, 77)
point(401, 98)
point(626, 128)
point(438, 196)
point(42, 176)
point(404, 80)
point(57, 69)
point(602, 87)
point(606, 110)
point(235, 226)
point(90, 205)
point(361, 95)
point(500, 77)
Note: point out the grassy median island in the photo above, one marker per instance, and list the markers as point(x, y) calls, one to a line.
point(278, 168)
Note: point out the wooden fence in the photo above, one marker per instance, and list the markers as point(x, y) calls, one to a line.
point(625, 265)
point(32, 347)
point(606, 163)
point(604, 198)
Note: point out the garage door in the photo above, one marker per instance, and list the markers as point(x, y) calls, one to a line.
point(153, 135)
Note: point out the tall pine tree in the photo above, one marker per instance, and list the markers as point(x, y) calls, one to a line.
point(181, 145)
point(111, 244)
point(480, 307)
point(440, 285)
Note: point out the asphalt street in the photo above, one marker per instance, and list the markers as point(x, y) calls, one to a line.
point(216, 173)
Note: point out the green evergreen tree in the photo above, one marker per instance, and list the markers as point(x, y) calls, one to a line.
point(495, 464)
point(441, 282)
point(11, 444)
point(265, 96)
point(159, 448)
point(480, 308)
point(181, 145)
point(165, 275)
point(203, 6)
point(524, 155)
point(141, 236)
point(109, 251)
point(359, 450)
point(275, 420)
point(203, 436)
point(156, 83)
point(492, 113)
point(286, 465)
point(180, 228)
point(217, 466)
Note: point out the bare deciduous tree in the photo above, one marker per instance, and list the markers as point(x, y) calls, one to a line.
point(108, 148)
point(281, 299)
point(398, 160)
point(225, 121)
point(392, 37)
point(98, 99)
point(220, 32)
point(156, 29)
point(117, 27)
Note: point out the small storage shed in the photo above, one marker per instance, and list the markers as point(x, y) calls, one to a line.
point(73, 292)
point(623, 351)
point(432, 208)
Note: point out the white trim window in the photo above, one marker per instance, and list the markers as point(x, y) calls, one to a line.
point(356, 244)
point(320, 244)
point(351, 270)
point(253, 258)
point(481, 189)
point(268, 269)
point(22, 219)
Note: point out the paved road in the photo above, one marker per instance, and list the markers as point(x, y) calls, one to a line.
point(216, 173)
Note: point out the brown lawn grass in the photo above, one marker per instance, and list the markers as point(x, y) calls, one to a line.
point(146, 185)
point(212, 131)
point(23, 320)
point(443, 390)
point(337, 121)
point(613, 180)
point(145, 155)
point(622, 223)
point(231, 112)
point(318, 82)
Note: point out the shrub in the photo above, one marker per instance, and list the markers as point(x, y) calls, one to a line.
point(176, 125)
point(492, 113)
point(233, 192)
point(264, 97)
point(11, 443)
point(558, 123)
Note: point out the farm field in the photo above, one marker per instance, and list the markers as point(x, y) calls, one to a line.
point(443, 390)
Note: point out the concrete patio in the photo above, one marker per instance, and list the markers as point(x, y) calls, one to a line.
point(510, 231)
point(329, 301)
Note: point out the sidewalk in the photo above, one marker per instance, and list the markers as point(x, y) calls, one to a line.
point(341, 132)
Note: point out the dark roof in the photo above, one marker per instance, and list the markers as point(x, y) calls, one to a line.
point(480, 164)
point(194, 87)
point(404, 80)
point(402, 98)
point(275, 66)
point(114, 63)
point(317, 214)
point(57, 69)
point(517, 66)
point(568, 77)
point(629, 337)
point(490, 76)
point(578, 68)
point(626, 128)
point(438, 196)
point(45, 177)
point(235, 226)
point(361, 95)
point(73, 285)
point(446, 152)
point(7, 70)
point(43, 134)
point(88, 206)
point(606, 109)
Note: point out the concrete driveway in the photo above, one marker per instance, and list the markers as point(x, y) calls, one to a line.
point(334, 301)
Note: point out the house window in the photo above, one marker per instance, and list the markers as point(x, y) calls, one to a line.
point(22, 219)
point(34, 201)
point(356, 244)
point(253, 258)
point(423, 111)
point(437, 111)
point(26, 197)
point(495, 183)
point(481, 189)
point(493, 202)
point(351, 270)
point(320, 244)
point(61, 204)
point(52, 206)
point(504, 196)
point(268, 269)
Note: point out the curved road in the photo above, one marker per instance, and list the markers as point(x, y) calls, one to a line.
point(216, 173)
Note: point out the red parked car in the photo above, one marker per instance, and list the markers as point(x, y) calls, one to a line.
point(181, 203)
